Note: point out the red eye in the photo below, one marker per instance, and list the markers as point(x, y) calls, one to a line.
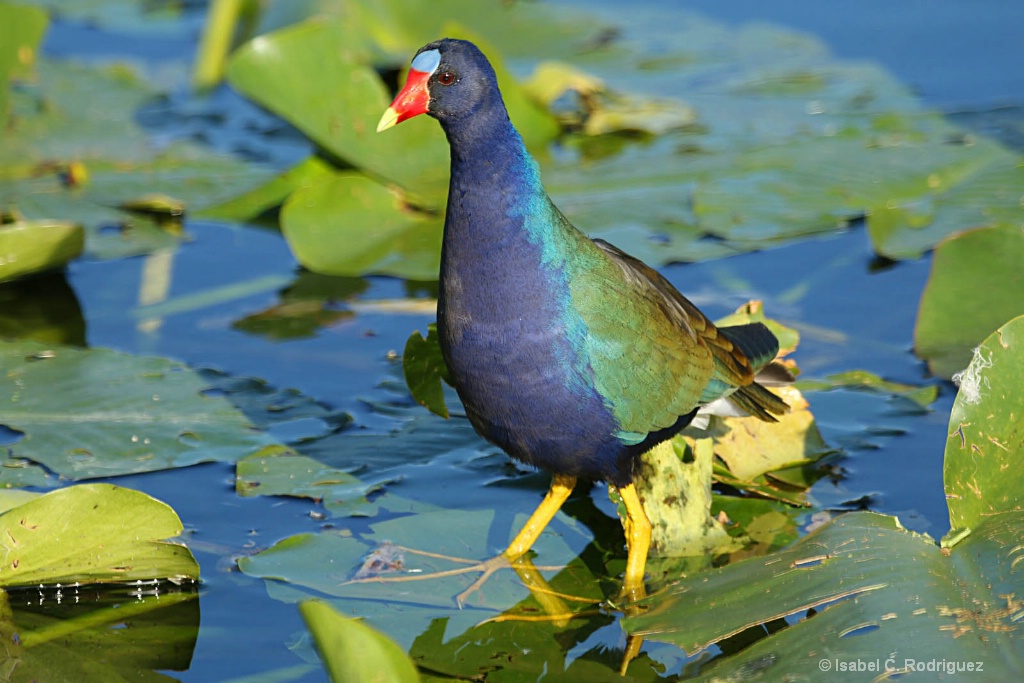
point(446, 78)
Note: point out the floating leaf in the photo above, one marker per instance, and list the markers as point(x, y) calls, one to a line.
point(960, 608)
point(63, 133)
point(767, 524)
point(295, 71)
point(250, 205)
point(986, 432)
point(424, 369)
point(28, 247)
point(99, 413)
point(352, 651)
point(598, 111)
point(981, 188)
point(862, 380)
point(975, 285)
point(752, 448)
point(277, 471)
point(21, 29)
point(92, 533)
point(350, 225)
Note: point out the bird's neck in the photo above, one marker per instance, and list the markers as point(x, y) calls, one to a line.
point(495, 199)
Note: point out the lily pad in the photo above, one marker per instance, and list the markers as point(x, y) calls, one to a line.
point(72, 156)
point(424, 368)
point(295, 72)
point(352, 651)
point(956, 608)
point(975, 285)
point(349, 224)
point(986, 432)
point(99, 413)
point(751, 448)
point(28, 247)
point(595, 110)
point(92, 533)
point(277, 471)
point(21, 29)
point(862, 380)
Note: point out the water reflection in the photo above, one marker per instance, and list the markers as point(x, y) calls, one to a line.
point(44, 308)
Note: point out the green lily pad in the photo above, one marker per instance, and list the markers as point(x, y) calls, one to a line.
point(975, 285)
point(349, 224)
point(278, 471)
point(986, 432)
point(765, 524)
point(352, 651)
point(250, 206)
point(92, 533)
point(328, 560)
point(99, 413)
point(10, 498)
point(956, 608)
point(320, 564)
point(862, 380)
point(72, 156)
point(21, 29)
point(601, 111)
point(29, 247)
point(424, 368)
point(980, 189)
point(307, 75)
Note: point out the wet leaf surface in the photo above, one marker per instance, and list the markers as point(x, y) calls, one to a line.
point(959, 607)
point(114, 413)
point(352, 651)
point(986, 432)
point(30, 247)
point(976, 284)
point(92, 533)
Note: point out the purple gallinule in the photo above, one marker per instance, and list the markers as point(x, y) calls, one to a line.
point(568, 353)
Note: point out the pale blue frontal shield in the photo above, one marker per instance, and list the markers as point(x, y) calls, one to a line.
point(427, 61)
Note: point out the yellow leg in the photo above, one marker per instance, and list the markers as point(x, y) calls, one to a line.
point(561, 487)
point(638, 541)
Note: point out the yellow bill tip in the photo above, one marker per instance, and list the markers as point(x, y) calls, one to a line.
point(389, 119)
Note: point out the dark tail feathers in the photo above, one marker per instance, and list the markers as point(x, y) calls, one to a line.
point(760, 346)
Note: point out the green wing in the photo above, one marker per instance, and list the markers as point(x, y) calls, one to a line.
point(653, 355)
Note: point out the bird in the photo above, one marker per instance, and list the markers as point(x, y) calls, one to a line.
point(566, 352)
